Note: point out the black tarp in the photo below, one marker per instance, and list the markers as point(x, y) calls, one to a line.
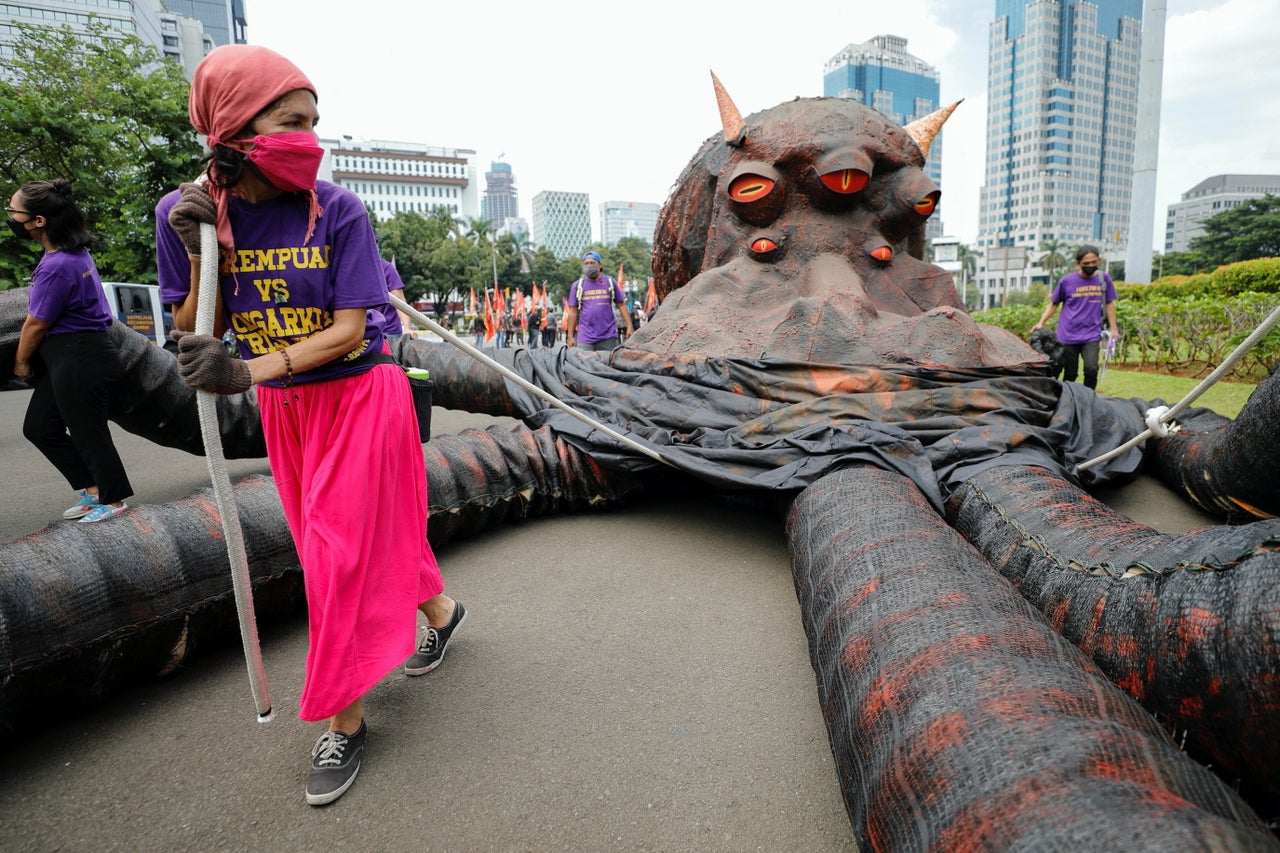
point(772, 424)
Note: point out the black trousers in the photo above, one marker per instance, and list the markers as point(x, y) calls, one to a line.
point(1071, 355)
point(67, 416)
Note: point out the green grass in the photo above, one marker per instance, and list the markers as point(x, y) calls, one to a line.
point(1225, 398)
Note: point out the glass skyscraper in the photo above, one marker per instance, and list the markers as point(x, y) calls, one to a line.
point(883, 75)
point(223, 20)
point(1062, 104)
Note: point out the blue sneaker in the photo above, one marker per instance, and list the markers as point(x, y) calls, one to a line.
point(102, 512)
point(83, 507)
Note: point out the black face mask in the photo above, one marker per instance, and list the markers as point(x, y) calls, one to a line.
point(19, 229)
point(1088, 269)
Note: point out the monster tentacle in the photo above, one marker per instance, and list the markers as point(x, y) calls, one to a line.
point(1229, 468)
point(142, 596)
point(1188, 625)
point(958, 718)
point(461, 382)
point(135, 601)
point(151, 400)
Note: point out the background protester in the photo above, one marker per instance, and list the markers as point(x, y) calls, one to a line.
point(65, 352)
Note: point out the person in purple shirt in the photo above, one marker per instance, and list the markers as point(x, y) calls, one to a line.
point(301, 287)
point(66, 332)
point(397, 322)
point(588, 318)
point(1085, 297)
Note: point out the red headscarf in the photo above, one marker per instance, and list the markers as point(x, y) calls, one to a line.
point(232, 85)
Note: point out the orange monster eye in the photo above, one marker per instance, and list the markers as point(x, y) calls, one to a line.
point(762, 245)
point(925, 206)
point(846, 181)
point(882, 253)
point(750, 187)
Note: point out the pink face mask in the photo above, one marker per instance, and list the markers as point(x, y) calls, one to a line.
point(290, 161)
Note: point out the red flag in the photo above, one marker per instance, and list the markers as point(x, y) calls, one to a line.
point(490, 327)
point(651, 298)
point(620, 279)
point(475, 307)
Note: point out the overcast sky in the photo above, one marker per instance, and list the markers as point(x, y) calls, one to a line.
point(613, 99)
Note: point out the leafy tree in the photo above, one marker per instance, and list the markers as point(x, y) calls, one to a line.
point(1180, 263)
point(107, 113)
point(436, 261)
point(1250, 230)
point(1036, 294)
point(547, 271)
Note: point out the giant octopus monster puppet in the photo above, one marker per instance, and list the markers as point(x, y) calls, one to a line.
point(1001, 659)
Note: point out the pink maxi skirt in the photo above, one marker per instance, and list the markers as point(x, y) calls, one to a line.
point(348, 464)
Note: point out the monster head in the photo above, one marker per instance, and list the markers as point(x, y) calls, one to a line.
point(797, 233)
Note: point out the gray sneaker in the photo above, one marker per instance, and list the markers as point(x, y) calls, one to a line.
point(434, 642)
point(335, 761)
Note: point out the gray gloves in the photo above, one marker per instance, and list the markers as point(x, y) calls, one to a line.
point(195, 207)
point(206, 365)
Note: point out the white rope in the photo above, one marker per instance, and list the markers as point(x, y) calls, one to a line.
point(427, 322)
point(207, 406)
point(1156, 422)
point(1163, 415)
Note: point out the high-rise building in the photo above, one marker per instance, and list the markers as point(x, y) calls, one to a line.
point(223, 20)
point(1209, 198)
point(883, 75)
point(1062, 103)
point(620, 219)
point(140, 17)
point(395, 177)
point(176, 36)
point(562, 222)
point(500, 201)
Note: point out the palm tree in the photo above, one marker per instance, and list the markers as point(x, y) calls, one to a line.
point(1052, 260)
point(968, 262)
point(523, 248)
point(968, 259)
point(480, 229)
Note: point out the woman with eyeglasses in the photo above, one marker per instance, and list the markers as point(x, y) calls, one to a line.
point(65, 335)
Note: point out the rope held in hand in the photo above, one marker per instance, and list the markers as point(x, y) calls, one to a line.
point(207, 407)
point(426, 322)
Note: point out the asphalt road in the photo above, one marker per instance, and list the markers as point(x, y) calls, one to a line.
point(630, 680)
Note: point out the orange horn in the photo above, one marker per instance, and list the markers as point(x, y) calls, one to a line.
point(735, 129)
point(923, 130)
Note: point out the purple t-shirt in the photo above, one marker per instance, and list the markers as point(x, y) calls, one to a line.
point(66, 291)
point(1082, 301)
point(595, 307)
point(277, 291)
point(392, 324)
